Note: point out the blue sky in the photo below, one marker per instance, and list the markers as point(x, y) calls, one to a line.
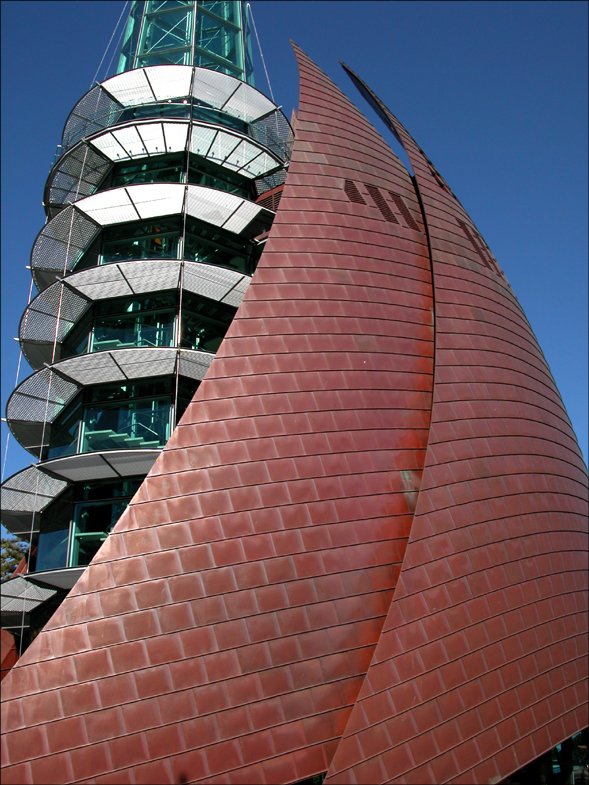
point(494, 92)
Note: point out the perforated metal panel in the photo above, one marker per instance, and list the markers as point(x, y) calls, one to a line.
point(117, 280)
point(216, 283)
point(152, 276)
point(235, 295)
point(76, 174)
point(153, 200)
point(60, 244)
point(245, 214)
point(40, 327)
point(232, 150)
point(211, 206)
point(39, 397)
point(128, 142)
point(130, 88)
point(222, 146)
point(274, 132)
point(20, 596)
point(247, 103)
point(95, 110)
point(103, 465)
point(170, 81)
point(176, 135)
point(98, 109)
point(194, 365)
point(39, 320)
point(109, 207)
point(271, 181)
point(30, 490)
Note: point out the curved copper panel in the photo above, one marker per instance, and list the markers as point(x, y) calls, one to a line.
point(224, 629)
point(481, 665)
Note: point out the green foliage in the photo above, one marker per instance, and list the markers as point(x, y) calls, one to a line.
point(12, 552)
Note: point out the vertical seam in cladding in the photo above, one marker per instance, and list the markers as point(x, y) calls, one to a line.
point(392, 129)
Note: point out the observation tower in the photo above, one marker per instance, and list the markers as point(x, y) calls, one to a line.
point(157, 213)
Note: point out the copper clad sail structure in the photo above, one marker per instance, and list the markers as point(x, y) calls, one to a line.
point(362, 550)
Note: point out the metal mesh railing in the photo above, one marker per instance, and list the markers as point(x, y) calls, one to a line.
point(30, 490)
point(40, 397)
point(40, 318)
point(60, 244)
point(94, 111)
point(270, 182)
point(275, 133)
point(98, 110)
point(77, 174)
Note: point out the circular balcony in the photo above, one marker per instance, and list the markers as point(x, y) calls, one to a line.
point(38, 401)
point(65, 238)
point(72, 298)
point(80, 171)
point(180, 92)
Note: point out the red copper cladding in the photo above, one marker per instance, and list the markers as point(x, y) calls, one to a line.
point(8, 652)
point(224, 629)
point(482, 662)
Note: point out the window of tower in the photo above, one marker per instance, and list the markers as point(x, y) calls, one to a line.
point(151, 320)
point(163, 169)
point(174, 169)
point(77, 523)
point(160, 238)
point(146, 321)
point(206, 243)
point(120, 416)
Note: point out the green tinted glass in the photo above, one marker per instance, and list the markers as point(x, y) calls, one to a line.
point(207, 33)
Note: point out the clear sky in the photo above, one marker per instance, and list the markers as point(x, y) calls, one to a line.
point(494, 92)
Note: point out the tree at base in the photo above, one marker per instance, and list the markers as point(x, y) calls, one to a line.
point(12, 552)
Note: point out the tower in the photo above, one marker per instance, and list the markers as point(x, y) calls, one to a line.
point(157, 213)
point(360, 551)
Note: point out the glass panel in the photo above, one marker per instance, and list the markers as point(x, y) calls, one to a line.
point(100, 505)
point(166, 5)
point(64, 432)
point(92, 524)
point(118, 391)
point(77, 340)
point(151, 111)
point(136, 424)
point(52, 550)
point(216, 38)
point(108, 489)
point(166, 35)
point(176, 57)
point(203, 243)
point(166, 170)
point(130, 37)
point(208, 114)
point(224, 9)
point(171, 29)
point(141, 241)
point(202, 172)
point(204, 323)
point(204, 60)
point(156, 329)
